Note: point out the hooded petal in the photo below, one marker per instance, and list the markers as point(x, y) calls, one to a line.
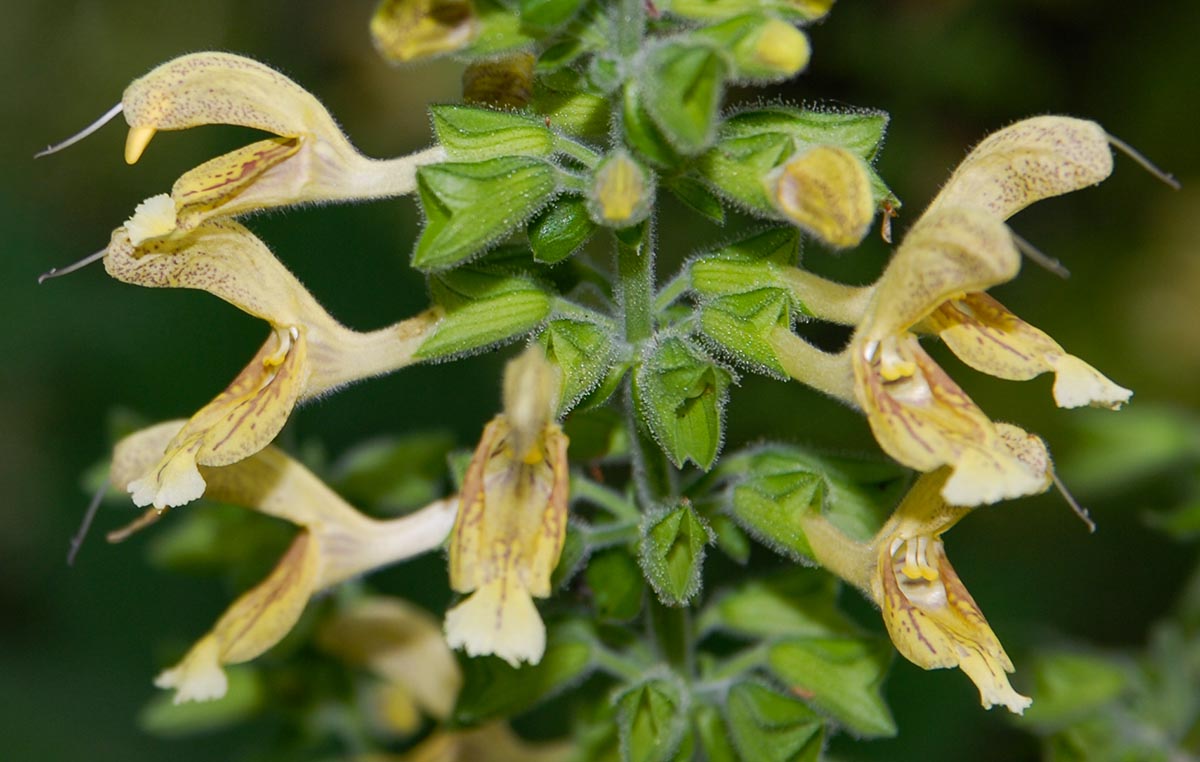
point(947, 253)
point(224, 259)
point(993, 340)
point(309, 159)
point(1026, 162)
point(221, 88)
point(255, 622)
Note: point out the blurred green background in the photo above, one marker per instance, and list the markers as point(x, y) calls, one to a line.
point(78, 646)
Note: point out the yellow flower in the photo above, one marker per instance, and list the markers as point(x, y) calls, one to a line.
point(308, 160)
point(306, 354)
point(512, 520)
point(335, 543)
point(407, 30)
point(959, 248)
point(403, 645)
point(932, 619)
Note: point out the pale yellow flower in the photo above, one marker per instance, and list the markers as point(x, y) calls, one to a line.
point(403, 646)
point(930, 616)
point(306, 354)
point(958, 249)
point(512, 520)
point(308, 159)
point(335, 543)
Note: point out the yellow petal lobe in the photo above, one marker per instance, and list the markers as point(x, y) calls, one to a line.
point(254, 623)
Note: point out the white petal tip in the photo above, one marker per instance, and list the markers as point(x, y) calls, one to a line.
point(496, 621)
point(152, 218)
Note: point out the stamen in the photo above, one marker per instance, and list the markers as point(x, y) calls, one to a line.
point(136, 142)
point(86, 524)
point(1080, 511)
point(1145, 163)
point(1039, 258)
point(926, 568)
point(911, 568)
point(108, 116)
point(55, 272)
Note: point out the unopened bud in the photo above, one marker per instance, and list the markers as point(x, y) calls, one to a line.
point(505, 82)
point(622, 192)
point(406, 30)
point(825, 190)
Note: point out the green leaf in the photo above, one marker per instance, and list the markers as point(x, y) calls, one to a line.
point(683, 85)
point(595, 433)
point(841, 676)
point(696, 196)
point(483, 307)
point(798, 602)
point(583, 351)
point(746, 265)
point(491, 688)
point(394, 474)
point(616, 584)
point(767, 726)
point(782, 482)
point(561, 230)
point(244, 699)
point(582, 114)
point(741, 325)
point(546, 15)
point(714, 736)
point(730, 538)
point(671, 553)
point(500, 30)
point(651, 719)
point(680, 395)
point(771, 508)
point(860, 132)
point(469, 206)
point(601, 394)
point(605, 72)
point(641, 134)
point(735, 167)
point(469, 133)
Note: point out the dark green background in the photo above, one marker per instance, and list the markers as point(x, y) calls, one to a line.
point(79, 646)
